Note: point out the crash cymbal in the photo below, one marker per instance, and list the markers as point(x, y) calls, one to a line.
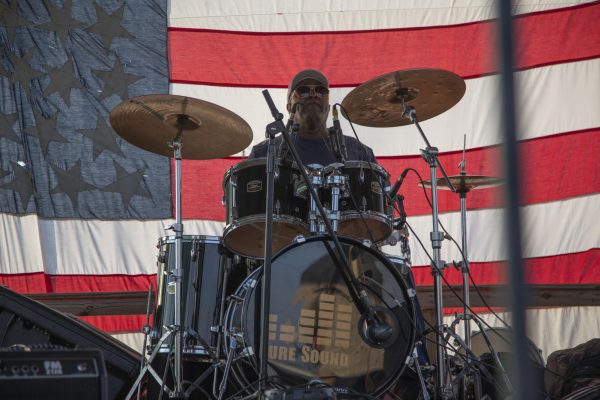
point(378, 102)
point(465, 183)
point(209, 131)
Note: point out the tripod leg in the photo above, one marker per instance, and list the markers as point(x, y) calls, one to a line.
point(232, 349)
point(415, 359)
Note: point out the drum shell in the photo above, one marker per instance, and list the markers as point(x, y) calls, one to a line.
point(245, 188)
point(366, 184)
point(206, 271)
point(308, 295)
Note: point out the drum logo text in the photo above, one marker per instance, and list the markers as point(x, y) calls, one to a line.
point(254, 186)
point(376, 187)
point(320, 336)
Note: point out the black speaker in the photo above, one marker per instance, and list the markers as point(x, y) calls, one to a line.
point(52, 374)
point(33, 325)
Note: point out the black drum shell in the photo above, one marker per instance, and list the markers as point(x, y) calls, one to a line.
point(206, 270)
point(245, 188)
point(365, 212)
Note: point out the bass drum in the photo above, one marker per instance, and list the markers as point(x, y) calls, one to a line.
point(314, 328)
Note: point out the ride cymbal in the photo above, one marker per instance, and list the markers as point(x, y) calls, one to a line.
point(208, 130)
point(379, 101)
point(465, 183)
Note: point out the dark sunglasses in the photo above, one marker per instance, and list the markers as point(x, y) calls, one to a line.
point(305, 90)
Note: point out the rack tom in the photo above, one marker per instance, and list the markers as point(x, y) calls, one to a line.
point(245, 188)
point(365, 212)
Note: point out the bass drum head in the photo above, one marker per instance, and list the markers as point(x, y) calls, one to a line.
point(314, 328)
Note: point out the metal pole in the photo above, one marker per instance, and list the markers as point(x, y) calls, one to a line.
point(178, 228)
point(465, 269)
point(521, 375)
point(437, 270)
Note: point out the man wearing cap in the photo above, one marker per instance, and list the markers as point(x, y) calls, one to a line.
point(309, 92)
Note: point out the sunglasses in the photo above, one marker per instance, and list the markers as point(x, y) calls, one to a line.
point(305, 90)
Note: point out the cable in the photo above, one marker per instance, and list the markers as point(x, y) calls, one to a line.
point(461, 253)
point(475, 314)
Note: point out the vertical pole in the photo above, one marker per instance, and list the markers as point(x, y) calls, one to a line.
point(521, 376)
point(178, 273)
point(437, 271)
point(465, 268)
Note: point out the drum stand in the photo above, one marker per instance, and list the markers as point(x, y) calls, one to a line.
point(471, 377)
point(173, 287)
point(430, 155)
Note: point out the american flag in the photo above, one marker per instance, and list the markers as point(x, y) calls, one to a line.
point(82, 210)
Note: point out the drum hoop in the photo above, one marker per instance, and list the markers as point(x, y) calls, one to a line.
point(248, 163)
point(250, 219)
point(364, 164)
point(201, 238)
point(349, 215)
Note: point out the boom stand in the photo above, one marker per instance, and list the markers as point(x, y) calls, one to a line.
point(377, 330)
point(430, 155)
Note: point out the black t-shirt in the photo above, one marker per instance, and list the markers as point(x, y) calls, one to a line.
point(316, 151)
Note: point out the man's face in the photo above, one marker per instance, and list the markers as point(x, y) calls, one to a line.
point(312, 100)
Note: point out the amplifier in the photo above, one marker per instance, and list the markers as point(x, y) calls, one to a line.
point(52, 374)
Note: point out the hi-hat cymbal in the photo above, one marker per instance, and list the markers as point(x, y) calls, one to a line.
point(152, 122)
point(378, 102)
point(465, 183)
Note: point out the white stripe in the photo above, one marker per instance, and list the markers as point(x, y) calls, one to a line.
point(129, 247)
point(548, 229)
point(553, 99)
point(31, 244)
point(133, 340)
point(549, 329)
point(299, 16)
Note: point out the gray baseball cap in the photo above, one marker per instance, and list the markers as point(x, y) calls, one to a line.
point(304, 75)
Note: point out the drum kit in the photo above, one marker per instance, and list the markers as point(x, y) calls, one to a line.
point(280, 305)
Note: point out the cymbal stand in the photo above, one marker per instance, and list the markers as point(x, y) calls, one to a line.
point(430, 155)
point(174, 285)
point(464, 267)
point(176, 274)
point(465, 264)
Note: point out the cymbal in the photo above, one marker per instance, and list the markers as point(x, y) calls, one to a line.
point(465, 183)
point(378, 102)
point(152, 122)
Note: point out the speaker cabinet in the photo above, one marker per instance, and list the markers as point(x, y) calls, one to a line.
point(27, 323)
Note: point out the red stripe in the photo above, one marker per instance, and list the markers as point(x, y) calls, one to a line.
point(118, 323)
point(575, 269)
point(578, 268)
point(230, 58)
point(40, 282)
point(550, 172)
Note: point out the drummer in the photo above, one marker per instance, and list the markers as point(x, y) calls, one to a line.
point(309, 91)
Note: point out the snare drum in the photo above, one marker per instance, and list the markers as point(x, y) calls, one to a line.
point(206, 273)
point(245, 188)
point(315, 329)
point(365, 212)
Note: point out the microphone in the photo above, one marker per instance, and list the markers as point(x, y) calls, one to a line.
point(394, 190)
point(335, 145)
point(403, 215)
point(377, 332)
point(339, 134)
point(283, 148)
